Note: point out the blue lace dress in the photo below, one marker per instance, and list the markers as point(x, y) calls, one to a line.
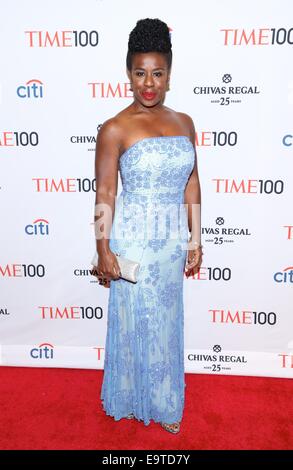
point(144, 351)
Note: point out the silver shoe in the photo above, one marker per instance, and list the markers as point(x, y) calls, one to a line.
point(173, 428)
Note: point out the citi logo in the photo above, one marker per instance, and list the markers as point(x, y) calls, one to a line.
point(32, 89)
point(37, 227)
point(43, 351)
point(285, 276)
point(257, 36)
point(287, 140)
point(62, 39)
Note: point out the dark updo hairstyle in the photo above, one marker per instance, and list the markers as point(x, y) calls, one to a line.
point(149, 35)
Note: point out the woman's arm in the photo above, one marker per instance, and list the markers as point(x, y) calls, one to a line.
point(106, 172)
point(192, 200)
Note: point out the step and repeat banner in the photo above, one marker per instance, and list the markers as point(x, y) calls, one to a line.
point(63, 73)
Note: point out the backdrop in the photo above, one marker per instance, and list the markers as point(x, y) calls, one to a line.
point(63, 73)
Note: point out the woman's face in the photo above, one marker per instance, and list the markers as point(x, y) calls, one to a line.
point(149, 77)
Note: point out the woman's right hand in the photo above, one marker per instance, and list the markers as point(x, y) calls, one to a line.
point(107, 268)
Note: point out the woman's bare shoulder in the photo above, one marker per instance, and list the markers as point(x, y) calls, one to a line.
point(183, 119)
point(112, 129)
point(187, 122)
point(116, 124)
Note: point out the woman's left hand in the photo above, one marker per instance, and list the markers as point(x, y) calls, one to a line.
point(193, 262)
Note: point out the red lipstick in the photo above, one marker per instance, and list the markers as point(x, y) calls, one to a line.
point(148, 95)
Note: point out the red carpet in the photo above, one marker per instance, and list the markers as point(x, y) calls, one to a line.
point(60, 409)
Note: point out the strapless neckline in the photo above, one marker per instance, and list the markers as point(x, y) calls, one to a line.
point(154, 138)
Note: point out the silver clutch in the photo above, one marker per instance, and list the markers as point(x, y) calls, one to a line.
point(129, 269)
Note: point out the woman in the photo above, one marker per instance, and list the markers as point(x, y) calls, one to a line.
point(153, 148)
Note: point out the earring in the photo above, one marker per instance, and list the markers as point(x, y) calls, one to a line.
point(130, 88)
point(168, 86)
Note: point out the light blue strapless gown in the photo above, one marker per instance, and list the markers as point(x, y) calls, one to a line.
point(144, 351)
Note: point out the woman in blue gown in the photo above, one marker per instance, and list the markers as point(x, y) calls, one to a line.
point(152, 147)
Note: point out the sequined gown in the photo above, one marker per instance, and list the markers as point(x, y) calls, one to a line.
point(144, 351)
